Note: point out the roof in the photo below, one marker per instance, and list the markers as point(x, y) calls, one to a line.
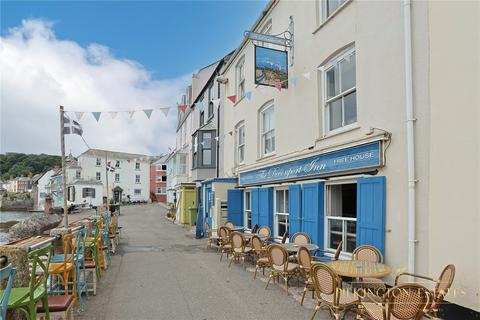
point(163, 159)
point(113, 154)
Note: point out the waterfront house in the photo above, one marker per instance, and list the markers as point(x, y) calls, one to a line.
point(41, 188)
point(356, 147)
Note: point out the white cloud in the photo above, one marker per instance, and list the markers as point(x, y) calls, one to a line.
point(40, 72)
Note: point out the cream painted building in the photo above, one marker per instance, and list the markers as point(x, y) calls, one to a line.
point(333, 147)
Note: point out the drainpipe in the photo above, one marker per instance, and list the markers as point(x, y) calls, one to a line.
point(407, 6)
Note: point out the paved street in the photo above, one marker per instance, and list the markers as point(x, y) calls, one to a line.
point(162, 272)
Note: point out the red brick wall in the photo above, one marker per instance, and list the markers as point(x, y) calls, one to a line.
point(154, 184)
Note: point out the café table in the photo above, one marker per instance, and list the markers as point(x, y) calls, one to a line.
point(249, 235)
point(293, 247)
point(237, 228)
point(360, 269)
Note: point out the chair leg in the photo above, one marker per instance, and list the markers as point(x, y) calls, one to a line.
point(303, 295)
point(255, 273)
point(45, 307)
point(269, 278)
point(231, 260)
point(286, 284)
point(314, 312)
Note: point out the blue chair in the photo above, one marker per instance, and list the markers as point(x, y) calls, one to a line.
point(7, 272)
point(80, 270)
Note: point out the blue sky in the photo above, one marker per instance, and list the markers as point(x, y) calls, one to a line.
point(170, 38)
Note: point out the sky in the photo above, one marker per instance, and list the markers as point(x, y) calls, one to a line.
point(107, 56)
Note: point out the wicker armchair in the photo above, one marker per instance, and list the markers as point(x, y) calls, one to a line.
point(324, 258)
point(284, 237)
point(239, 250)
point(402, 302)
point(229, 224)
point(278, 260)
point(442, 285)
point(330, 295)
point(305, 264)
point(301, 238)
point(264, 232)
point(371, 254)
point(260, 255)
point(209, 235)
point(225, 243)
point(254, 228)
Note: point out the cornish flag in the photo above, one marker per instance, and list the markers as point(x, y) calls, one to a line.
point(71, 126)
point(110, 167)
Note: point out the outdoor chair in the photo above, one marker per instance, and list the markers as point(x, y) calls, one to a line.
point(329, 293)
point(62, 273)
point(284, 237)
point(229, 224)
point(209, 235)
point(225, 243)
point(402, 302)
point(112, 232)
point(6, 274)
point(239, 250)
point(301, 238)
point(260, 255)
point(25, 299)
point(442, 285)
point(58, 306)
point(370, 254)
point(325, 258)
point(255, 228)
point(264, 232)
point(92, 252)
point(80, 268)
point(278, 260)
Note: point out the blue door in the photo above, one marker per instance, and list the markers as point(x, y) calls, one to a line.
point(255, 194)
point(371, 212)
point(207, 203)
point(313, 211)
point(265, 198)
point(295, 209)
point(235, 206)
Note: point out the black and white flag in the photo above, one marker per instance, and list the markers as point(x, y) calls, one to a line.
point(109, 167)
point(71, 126)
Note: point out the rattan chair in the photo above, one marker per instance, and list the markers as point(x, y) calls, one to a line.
point(442, 285)
point(209, 235)
point(402, 302)
point(329, 293)
point(254, 228)
point(305, 263)
point(239, 250)
point(260, 255)
point(284, 237)
point(370, 254)
point(280, 267)
point(324, 258)
point(229, 224)
point(301, 238)
point(225, 243)
point(264, 232)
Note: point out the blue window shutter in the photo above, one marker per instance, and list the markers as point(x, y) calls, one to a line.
point(235, 206)
point(254, 195)
point(313, 211)
point(295, 209)
point(266, 207)
point(371, 212)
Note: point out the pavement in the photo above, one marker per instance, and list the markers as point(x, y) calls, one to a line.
point(161, 271)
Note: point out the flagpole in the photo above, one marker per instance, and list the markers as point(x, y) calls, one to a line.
point(64, 171)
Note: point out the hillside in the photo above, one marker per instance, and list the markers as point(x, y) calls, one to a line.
point(19, 164)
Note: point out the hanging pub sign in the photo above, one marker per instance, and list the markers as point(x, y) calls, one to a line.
point(271, 67)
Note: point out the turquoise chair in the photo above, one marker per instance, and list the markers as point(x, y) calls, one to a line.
point(7, 272)
point(80, 270)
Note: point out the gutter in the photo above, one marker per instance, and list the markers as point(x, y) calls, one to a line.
point(407, 27)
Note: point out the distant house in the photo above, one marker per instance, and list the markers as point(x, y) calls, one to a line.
point(158, 179)
point(41, 188)
point(24, 184)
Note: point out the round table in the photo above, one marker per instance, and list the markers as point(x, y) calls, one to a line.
point(293, 247)
point(359, 269)
point(249, 236)
point(237, 228)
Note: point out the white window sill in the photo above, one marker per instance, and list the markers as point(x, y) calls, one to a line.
point(324, 22)
point(345, 129)
point(266, 156)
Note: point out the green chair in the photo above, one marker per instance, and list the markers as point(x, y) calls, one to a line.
point(25, 299)
point(92, 245)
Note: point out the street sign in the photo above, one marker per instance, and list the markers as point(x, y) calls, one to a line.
point(267, 38)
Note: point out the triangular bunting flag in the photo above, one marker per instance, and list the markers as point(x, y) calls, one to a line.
point(96, 115)
point(148, 112)
point(79, 115)
point(131, 113)
point(248, 95)
point(165, 111)
point(307, 75)
point(216, 103)
point(278, 86)
point(113, 114)
point(232, 98)
point(230, 133)
point(182, 108)
point(199, 105)
point(293, 80)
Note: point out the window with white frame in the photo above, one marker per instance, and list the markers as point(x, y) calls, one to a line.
point(137, 192)
point(328, 7)
point(340, 91)
point(281, 213)
point(240, 70)
point(99, 162)
point(207, 152)
point(164, 167)
point(117, 164)
point(137, 165)
point(78, 174)
point(159, 178)
point(211, 92)
point(159, 167)
point(98, 176)
point(137, 178)
point(164, 178)
point(248, 210)
point(161, 190)
point(182, 164)
point(267, 129)
point(341, 216)
point(117, 177)
point(240, 142)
